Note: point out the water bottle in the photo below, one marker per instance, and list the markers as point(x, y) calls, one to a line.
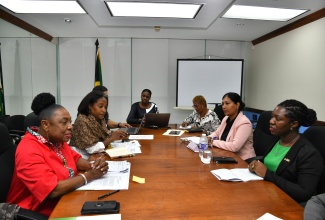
point(203, 144)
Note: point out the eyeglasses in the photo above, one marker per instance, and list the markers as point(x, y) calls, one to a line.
point(195, 106)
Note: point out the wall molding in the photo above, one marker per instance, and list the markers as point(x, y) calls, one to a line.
point(24, 25)
point(301, 22)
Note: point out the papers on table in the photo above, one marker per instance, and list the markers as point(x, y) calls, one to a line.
point(192, 139)
point(268, 216)
point(186, 127)
point(172, 132)
point(235, 175)
point(117, 166)
point(141, 137)
point(133, 146)
point(111, 180)
point(193, 146)
point(124, 149)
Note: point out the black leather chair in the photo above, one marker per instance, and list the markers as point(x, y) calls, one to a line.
point(7, 164)
point(316, 135)
point(262, 137)
point(218, 110)
point(31, 120)
point(15, 124)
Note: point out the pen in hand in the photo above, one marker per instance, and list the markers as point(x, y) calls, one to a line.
point(107, 194)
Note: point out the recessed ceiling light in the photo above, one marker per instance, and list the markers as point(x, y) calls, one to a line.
point(153, 10)
point(262, 13)
point(68, 20)
point(20, 6)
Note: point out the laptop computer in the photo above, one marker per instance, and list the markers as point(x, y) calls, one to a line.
point(153, 120)
point(132, 130)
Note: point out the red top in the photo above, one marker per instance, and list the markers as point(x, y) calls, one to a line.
point(38, 169)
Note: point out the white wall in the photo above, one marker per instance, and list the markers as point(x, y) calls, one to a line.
point(129, 66)
point(29, 67)
point(290, 66)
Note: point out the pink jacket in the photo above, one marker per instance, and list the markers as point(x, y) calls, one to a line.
point(239, 139)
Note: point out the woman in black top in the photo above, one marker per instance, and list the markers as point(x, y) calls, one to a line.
point(292, 162)
point(139, 109)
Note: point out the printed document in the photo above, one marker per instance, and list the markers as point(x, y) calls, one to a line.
point(110, 181)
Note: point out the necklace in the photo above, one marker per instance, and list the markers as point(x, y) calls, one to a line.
point(287, 145)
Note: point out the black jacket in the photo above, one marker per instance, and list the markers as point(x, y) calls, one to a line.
point(299, 172)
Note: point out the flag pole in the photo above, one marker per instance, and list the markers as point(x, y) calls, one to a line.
point(98, 68)
point(2, 94)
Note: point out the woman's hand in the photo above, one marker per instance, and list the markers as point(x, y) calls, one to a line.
point(125, 125)
point(119, 135)
point(184, 124)
point(257, 167)
point(98, 168)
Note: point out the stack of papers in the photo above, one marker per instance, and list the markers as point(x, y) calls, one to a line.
point(117, 178)
point(124, 149)
point(235, 175)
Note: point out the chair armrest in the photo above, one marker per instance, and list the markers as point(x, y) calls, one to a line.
point(24, 214)
point(21, 133)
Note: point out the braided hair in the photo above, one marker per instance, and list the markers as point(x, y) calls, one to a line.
point(297, 111)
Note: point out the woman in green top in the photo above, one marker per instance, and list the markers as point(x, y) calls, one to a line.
point(292, 163)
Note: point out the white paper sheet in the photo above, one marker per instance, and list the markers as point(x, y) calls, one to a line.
point(110, 181)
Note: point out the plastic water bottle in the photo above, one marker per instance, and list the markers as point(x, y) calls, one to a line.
point(203, 144)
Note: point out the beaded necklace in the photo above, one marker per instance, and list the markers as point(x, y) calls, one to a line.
point(56, 148)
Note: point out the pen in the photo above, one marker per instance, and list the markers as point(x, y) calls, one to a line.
point(108, 194)
point(128, 155)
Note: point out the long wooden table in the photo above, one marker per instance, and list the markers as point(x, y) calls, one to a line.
point(179, 186)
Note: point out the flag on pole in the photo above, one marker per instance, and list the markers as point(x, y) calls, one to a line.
point(98, 68)
point(2, 98)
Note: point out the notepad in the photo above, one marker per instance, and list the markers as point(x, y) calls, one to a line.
point(118, 152)
point(235, 175)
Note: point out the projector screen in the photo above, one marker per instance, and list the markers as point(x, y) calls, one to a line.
point(209, 78)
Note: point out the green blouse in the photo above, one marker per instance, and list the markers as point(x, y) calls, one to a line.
point(275, 156)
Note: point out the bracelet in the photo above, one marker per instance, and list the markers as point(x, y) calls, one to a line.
point(118, 124)
point(84, 177)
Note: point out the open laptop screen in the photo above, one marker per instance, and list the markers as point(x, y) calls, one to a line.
point(153, 120)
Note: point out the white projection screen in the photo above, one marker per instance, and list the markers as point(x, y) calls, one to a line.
point(210, 78)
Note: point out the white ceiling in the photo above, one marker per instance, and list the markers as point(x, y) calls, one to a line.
point(207, 25)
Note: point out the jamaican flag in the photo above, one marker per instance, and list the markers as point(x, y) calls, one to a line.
point(98, 67)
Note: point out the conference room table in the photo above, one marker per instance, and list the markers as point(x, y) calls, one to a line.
point(179, 186)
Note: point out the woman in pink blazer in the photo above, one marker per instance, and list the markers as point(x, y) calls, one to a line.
point(235, 132)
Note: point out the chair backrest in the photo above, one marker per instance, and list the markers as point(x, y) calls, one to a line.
point(7, 161)
point(316, 136)
point(218, 110)
point(31, 120)
point(16, 122)
point(262, 137)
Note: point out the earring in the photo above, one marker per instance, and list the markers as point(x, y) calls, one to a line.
point(291, 128)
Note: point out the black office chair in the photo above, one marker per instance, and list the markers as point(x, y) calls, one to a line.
point(15, 124)
point(31, 120)
point(316, 136)
point(7, 164)
point(262, 137)
point(218, 110)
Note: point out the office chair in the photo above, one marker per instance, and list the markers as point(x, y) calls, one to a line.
point(218, 110)
point(316, 136)
point(15, 124)
point(31, 120)
point(262, 137)
point(7, 164)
